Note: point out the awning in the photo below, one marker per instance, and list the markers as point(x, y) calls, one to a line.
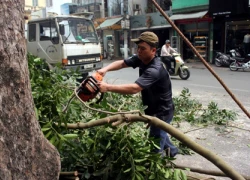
point(152, 27)
point(188, 16)
point(109, 22)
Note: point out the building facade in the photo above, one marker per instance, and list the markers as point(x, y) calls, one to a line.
point(190, 16)
point(34, 8)
point(231, 25)
point(145, 17)
point(193, 20)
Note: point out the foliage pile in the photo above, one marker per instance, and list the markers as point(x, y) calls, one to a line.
point(106, 152)
point(192, 111)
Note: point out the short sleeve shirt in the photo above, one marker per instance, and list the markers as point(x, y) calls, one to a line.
point(156, 84)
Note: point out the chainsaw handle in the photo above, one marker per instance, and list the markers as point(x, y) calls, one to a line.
point(101, 97)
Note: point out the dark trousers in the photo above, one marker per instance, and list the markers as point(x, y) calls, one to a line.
point(246, 48)
point(158, 133)
point(167, 60)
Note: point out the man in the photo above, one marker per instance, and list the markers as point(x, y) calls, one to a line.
point(154, 84)
point(166, 55)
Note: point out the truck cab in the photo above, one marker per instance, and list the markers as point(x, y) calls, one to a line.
point(69, 40)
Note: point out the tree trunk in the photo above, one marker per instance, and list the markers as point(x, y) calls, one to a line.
point(24, 152)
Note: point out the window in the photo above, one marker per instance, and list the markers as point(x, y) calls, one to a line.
point(77, 30)
point(49, 3)
point(35, 2)
point(32, 32)
point(48, 32)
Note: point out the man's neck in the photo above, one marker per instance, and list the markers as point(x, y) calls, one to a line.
point(146, 62)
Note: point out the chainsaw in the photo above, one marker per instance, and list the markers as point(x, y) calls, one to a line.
point(88, 90)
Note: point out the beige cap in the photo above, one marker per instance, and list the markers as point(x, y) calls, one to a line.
point(148, 37)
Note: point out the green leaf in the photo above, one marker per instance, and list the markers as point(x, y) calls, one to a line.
point(108, 145)
point(48, 134)
point(152, 176)
point(167, 174)
point(87, 175)
point(45, 129)
point(100, 172)
point(52, 140)
point(129, 169)
point(140, 160)
point(138, 176)
point(61, 137)
point(176, 174)
point(70, 136)
point(140, 168)
point(183, 175)
point(158, 147)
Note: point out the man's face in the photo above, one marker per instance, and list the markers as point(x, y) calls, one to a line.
point(145, 52)
point(167, 44)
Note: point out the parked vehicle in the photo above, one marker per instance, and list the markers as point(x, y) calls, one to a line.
point(180, 69)
point(68, 40)
point(240, 64)
point(222, 59)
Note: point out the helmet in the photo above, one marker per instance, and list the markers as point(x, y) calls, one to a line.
point(167, 41)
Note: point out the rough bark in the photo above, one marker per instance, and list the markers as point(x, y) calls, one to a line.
point(24, 152)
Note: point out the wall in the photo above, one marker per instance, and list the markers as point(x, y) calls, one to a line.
point(179, 6)
point(41, 3)
point(56, 8)
point(158, 20)
point(143, 5)
point(223, 7)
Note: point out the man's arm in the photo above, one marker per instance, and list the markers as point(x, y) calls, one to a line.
point(172, 50)
point(112, 67)
point(122, 89)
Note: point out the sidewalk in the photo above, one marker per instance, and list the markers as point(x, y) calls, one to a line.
point(197, 64)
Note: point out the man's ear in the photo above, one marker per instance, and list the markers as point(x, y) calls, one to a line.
point(154, 49)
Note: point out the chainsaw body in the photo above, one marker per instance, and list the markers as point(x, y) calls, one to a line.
point(89, 89)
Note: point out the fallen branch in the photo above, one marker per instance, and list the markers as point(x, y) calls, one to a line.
point(204, 171)
point(118, 119)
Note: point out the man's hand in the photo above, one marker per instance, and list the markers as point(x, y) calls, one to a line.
point(103, 86)
point(102, 72)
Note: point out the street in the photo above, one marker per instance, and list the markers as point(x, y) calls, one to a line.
point(232, 144)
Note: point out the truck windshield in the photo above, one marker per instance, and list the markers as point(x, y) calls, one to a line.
point(77, 30)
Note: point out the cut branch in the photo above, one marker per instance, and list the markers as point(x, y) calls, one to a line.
point(216, 160)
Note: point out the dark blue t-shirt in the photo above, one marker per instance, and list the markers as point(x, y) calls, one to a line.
point(156, 84)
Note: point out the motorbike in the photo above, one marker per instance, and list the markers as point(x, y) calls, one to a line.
point(225, 60)
point(239, 64)
point(180, 69)
point(222, 59)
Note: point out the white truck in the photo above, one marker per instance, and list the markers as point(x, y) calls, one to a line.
point(70, 40)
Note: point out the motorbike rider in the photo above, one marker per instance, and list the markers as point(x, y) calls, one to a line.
point(166, 55)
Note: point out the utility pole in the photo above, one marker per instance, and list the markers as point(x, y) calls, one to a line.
point(125, 23)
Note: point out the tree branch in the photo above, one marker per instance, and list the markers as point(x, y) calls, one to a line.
point(216, 160)
point(205, 171)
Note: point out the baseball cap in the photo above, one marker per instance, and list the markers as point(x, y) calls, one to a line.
point(148, 37)
point(167, 41)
